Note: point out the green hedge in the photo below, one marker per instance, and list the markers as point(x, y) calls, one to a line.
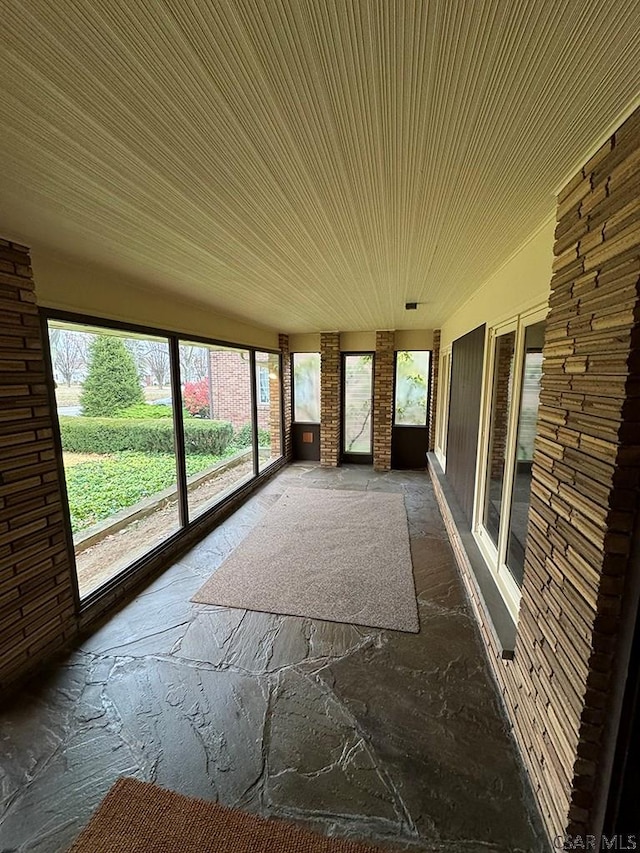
point(113, 435)
point(144, 411)
point(242, 437)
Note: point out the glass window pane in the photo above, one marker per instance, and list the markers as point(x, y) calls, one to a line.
point(500, 406)
point(113, 397)
point(306, 387)
point(263, 384)
point(216, 400)
point(531, 378)
point(358, 386)
point(412, 383)
point(443, 401)
point(269, 412)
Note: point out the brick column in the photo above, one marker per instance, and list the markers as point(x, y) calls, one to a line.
point(433, 400)
point(330, 399)
point(283, 343)
point(37, 603)
point(383, 400)
point(275, 439)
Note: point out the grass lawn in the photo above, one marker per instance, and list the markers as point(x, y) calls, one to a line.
point(99, 486)
point(72, 459)
point(70, 395)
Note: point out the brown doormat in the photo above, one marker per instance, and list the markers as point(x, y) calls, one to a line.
point(332, 554)
point(138, 817)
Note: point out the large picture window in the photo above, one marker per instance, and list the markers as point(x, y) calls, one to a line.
point(217, 421)
point(269, 409)
point(113, 397)
point(155, 431)
point(510, 426)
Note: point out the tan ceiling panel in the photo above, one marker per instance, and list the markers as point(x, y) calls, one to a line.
point(305, 165)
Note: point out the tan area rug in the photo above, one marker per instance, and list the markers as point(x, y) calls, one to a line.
point(324, 554)
point(138, 817)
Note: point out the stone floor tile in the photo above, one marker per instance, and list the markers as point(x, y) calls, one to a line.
point(378, 735)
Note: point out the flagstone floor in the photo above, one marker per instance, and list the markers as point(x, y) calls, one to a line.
point(393, 738)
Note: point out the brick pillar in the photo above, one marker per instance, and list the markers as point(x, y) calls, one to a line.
point(283, 343)
point(37, 599)
point(330, 399)
point(275, 421)
point(433, 400)
point(586, 475)
point(383, 400)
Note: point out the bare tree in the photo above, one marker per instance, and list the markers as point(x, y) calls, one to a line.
point(69, 352)
point(193, 362)
point(156, 359)
point(137, 348)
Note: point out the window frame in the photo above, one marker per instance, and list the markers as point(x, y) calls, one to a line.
point(262, 372)
point(357, 457)
point(294, 420)
point(258, 468)
point(188, 525)
point(442, 413)
point(495, 556)
point(395, 423)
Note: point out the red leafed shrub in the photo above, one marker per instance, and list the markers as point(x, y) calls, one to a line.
point(196, 398)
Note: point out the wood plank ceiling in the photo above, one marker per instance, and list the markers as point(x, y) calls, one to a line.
point(303, 164)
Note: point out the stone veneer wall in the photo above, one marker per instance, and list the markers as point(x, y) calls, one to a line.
point(383, 400)
point(37, 593)
point(283, 343)
point(433, 398)
point(558, 690)
point(330, 399)
point(586, 463)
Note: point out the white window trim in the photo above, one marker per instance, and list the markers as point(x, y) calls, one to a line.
point(442, 412)
point(495, 557)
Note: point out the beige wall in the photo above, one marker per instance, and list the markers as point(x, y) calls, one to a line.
point(304, 343)
point(405, 339)
point(520, 284)
point(83, 288)
point(414, 339)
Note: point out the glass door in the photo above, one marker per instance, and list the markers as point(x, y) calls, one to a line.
point(503, 507)
point(305, 429)
point(357, 406)
point(410, 432)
